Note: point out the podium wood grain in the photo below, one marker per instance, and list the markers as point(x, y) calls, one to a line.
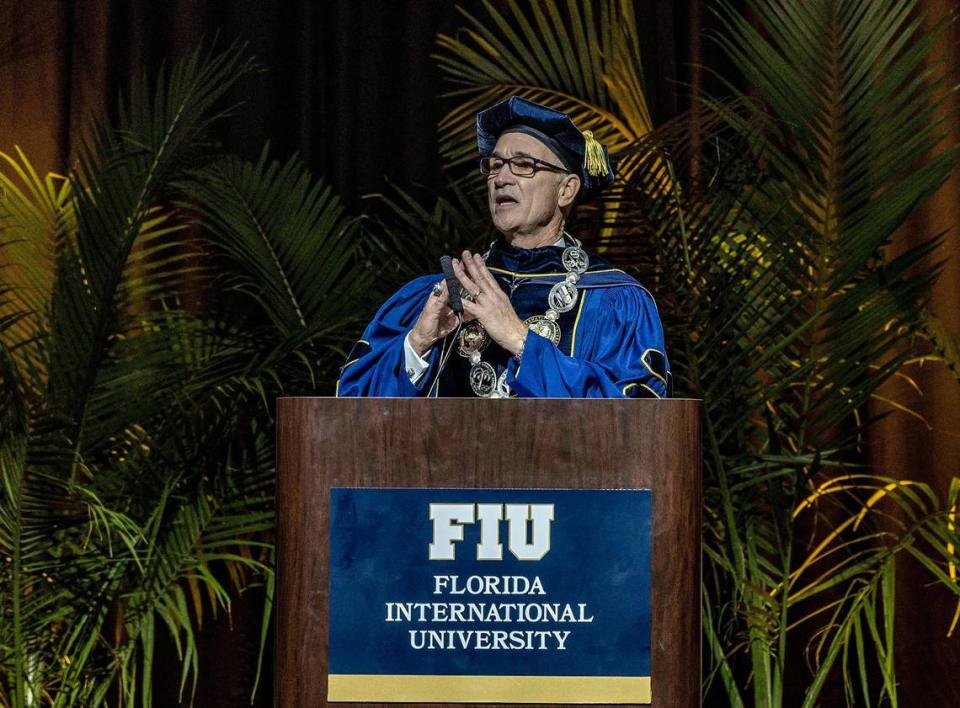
point(577, 444)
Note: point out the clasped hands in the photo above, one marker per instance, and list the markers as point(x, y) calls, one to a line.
point(491, 307)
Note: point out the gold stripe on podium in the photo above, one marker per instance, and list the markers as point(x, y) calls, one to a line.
point(488, 689)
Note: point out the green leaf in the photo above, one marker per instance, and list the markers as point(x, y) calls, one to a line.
point(575, 62)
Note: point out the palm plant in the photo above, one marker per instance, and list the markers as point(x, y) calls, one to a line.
point(409, 233)
point(154, 302)
point(763, 225)
point(585, 64)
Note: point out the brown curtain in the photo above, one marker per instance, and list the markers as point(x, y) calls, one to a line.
point(928, 661)
point(350, 85)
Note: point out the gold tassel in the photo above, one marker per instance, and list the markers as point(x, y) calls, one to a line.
point(594, 158)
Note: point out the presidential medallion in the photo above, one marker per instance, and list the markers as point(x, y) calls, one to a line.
point(473, 338)
point(563, 296)
point(575, 259)
point(483, 379)
point(545, 327)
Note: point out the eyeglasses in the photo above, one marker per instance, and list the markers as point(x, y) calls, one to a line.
point(520, 165)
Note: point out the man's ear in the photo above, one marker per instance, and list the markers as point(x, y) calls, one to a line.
point(569, 188)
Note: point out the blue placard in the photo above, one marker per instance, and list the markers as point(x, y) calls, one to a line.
point(500, 595)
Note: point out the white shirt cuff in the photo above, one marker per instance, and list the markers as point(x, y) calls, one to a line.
point(415, 365)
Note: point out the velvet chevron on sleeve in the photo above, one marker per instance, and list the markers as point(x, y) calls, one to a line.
point(375, 366)
point(621, 354)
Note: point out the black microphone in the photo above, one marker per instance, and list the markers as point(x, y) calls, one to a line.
point(453, 285)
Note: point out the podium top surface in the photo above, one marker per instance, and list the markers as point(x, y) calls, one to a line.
point(604, 443)
point(658, 401)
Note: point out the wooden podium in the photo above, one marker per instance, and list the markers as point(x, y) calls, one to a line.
point(475, 443)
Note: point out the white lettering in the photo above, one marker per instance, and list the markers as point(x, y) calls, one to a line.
point(537, 545)
point(487, 639)
point(448, 520)
point(489, 516)
point(528, 530)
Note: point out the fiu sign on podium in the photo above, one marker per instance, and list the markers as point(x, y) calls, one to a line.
point(428, 603)
point(462, 551)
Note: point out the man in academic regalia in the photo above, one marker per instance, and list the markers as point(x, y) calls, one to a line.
point(542, 318)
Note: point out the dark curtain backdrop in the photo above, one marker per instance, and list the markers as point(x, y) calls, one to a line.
point(347, 84)
point(351, 87)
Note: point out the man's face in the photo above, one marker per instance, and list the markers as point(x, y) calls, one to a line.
point(521, 206)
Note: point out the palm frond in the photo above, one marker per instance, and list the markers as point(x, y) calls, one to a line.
point(857, 133)
point(291, 247)
point(408, 232)
point(35, 212)
point(585, 62)
point(945, 342)
point(121, 175)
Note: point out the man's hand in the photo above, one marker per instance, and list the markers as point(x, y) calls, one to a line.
point(492, 307)
point(436, 321)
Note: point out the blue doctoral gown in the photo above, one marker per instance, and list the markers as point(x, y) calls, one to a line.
point(611, 342)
